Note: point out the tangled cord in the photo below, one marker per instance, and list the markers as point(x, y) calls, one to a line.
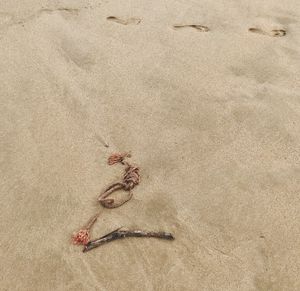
point(118, 158)
point(131, 178)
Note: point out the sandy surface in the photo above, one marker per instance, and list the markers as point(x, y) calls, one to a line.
point(212, 118)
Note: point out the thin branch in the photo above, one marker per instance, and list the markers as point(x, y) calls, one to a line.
point(119, 234)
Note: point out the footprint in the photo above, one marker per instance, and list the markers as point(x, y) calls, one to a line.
point(273, 33)
point(126, 21)
point(199, 27)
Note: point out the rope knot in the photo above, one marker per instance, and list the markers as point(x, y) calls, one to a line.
point(131, 178)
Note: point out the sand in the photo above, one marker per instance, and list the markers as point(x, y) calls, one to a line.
point(211, 117)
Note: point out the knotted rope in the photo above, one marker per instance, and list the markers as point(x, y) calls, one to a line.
point(118, 158)
point(131, 178)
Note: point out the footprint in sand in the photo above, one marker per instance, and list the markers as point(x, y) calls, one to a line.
point(132, 20)
point(199, 27)
point(273, 33)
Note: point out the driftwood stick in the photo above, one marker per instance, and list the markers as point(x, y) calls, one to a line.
point(119, 234)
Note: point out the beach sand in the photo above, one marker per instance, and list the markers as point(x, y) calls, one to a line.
point(211, 116)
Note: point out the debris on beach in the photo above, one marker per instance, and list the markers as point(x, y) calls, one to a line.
point(120, 234)
point(117, 158)
point(131, 178)
point(82, 237)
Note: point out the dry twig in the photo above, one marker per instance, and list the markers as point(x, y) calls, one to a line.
point(119, 234)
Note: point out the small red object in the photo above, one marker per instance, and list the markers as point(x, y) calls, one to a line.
point(82, 237)
point(117, 158)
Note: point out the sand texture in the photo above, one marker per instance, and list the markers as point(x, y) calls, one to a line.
point(205, 95)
